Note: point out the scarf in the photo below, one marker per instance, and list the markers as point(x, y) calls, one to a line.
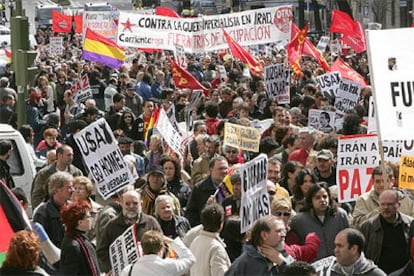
point(148, 197)
point(84, 248)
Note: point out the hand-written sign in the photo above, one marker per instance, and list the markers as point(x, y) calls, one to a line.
point(242, 137)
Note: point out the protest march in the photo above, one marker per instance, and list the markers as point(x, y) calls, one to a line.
point(222, 144)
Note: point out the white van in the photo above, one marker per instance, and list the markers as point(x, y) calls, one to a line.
point(21, 165)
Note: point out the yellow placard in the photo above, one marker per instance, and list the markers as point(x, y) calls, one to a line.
point(406, 174)
point(242, 137)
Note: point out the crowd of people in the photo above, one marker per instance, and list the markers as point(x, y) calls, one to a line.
point(173, 201)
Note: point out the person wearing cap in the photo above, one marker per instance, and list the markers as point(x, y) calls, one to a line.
point(325, 167)
point(133, 100)
point(34, 116)
point(156, 185)
point(109, 92)
point(232, 204)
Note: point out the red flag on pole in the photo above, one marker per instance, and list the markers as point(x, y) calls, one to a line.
point(352, 31)
point(239, 52)
point(61, 23)
point(347, 72)
point(295, 50)
point(309, 49)
point(184, 79)
point(78, 23)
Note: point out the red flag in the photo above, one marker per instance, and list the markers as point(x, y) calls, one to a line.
point(8, 54)
point(347, 72)
point(13, 218)
point(61, 23)
point(295, 50)
point(183, 79)
point(150, 50)
point(239, 52)
point(78, 23)
point(164, 11)
point(309, 49)
point(153, 122)
point(353, 34)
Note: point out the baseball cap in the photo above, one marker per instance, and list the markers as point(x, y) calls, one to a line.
point(325, 154)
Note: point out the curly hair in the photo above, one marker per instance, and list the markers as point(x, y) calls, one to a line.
point(23, 252)
point(176, 163)
point(72, 213)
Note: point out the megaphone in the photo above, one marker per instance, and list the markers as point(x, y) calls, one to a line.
point(51, 252)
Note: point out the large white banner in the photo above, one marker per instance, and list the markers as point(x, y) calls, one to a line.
point(255, 201)
point(357, 157)
point(391, 59)
point(277, 81)
point(201, 34)
point(124, 250)
point(103, 158)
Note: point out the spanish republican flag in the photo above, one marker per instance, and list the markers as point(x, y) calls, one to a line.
point(13, 218)
point(184, 79)
point(102, 50)
point(61, 23)
point(295, 50)
point(239, 52)
point(153, 121)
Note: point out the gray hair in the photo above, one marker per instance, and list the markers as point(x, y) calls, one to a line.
point(58, 180)
point(162, 198)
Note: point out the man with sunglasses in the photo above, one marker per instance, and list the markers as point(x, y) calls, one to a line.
point(131, 213)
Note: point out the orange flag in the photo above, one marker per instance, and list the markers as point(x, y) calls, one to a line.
point(295, 50)
point(61, 23)
point(184, 79)
point(8, 54)
point(239, 52)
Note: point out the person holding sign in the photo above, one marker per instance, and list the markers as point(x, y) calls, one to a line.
point(153, 246)
point(320, 215)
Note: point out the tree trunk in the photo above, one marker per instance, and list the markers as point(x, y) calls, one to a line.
point(318, 23)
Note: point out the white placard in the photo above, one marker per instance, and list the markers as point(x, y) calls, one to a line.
point(103, 158)
point(255, 201)
point(81, 90)
point(391, 63)
point(171, 136)
point(277, 81)
point(357, 157)
point(322, 120)
point(329, 84)
point(347, 96)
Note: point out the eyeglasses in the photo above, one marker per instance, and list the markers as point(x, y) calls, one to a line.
point(285, 214)
point(271, 192)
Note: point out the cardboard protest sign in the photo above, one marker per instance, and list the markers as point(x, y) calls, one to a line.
point(323, 266)
point(255, 201)
point(171, 136)
point(55, 46)
point(323, 42)
point(406, 172)
point(81, 90)
point(391, 67)
point(103, 158)
point(322, 120)
point(202, 34)
point(357, 157)
point(329, 84)
point(242, 137)
point(347, 96)
point(277, 81)
point(124, 250)
point(101, 22)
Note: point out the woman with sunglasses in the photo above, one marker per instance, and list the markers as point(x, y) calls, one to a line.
point(232, 155)
point(126, 122)
point(78, 255)
point(282, 208)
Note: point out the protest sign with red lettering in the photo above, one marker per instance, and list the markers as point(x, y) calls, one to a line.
point(357, 156)
point(81, 90)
